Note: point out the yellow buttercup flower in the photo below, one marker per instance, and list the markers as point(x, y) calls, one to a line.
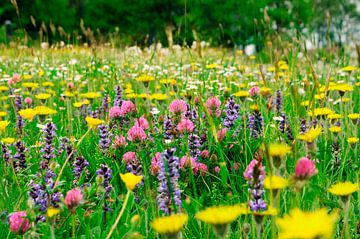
point(169, 225)
point(28, 114)
point(51, 212)
point(305, 225)
point(279, 150)
point(130, 180)
point(343, 188)
point(275, 182)
point(4, 124)
point(311, 134)
point(93, 122)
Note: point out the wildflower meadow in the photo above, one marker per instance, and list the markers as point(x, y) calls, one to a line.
point(202, 140)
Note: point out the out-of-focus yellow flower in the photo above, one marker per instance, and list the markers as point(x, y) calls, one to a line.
point(51, 212)
point(304, 225)
point(3, 113)
point(30, 85)
point(275, 182)
point(43, 110)
point(7, 140)
point(28, 114)
point(212, 66)
point(279, 150)
point(90, 95)
point(335, 129)
point(321, 112)
point(341, 87)
point(348, 68)
point(333, 116)
point(168, 81)
point(42, 96)
point(220, 215)
point(242, 94)
point(130, 180)
point(158, 96)
point(93, 122)
point(145, 78)
point(169, 225)
point(4, 124)
point(3, 88)
point(48, 84)
point(352, 140)
point(311, 135)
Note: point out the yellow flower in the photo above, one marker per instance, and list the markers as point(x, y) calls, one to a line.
point(42, 96)
point(354, 116)
point(48, 83)
point(30, 85)
point(159, 97)
point(28, 114)
point(270, 211)
point(3, 124)
point(43, 110)
point(212, 66)
point(130, 180)
point(93, 122)
point(8, 140)
point(321, 112)
point(335, 129)
point(275, 182)
point(305, 225)
point(352, 140)
point(169, 225)
point(319, 96)
point(311, 135)
point(90, 95)
point(145, 78)
point(348, 68)
point(254, 107)
point(279, 150)
point(343, 188)
point(333, 116)
point(219, 215)
point(341, 87)
point(168, 81)
point(305, 103)
point(242, 94)
point(3, 113)
point(68, 94)
point(52, 212)
point(3, 88)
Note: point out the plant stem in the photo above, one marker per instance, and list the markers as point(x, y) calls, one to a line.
point(119, 216)
point(73, 225)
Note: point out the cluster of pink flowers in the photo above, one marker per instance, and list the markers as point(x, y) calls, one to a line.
point(142, 122)
point(155, 164)
point(248, 174)
point(126, 107)
point(254, 91)
point(14, 79)
point(73, 199)
point(305, 168)
point(136, 133)
point(129, 157)
point(120, 141)
point(177, 107)
point(190, 162)
point(213, 106)
point(19, 223)
point(185, 126)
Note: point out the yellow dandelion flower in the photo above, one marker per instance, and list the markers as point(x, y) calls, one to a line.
point(4, 124)
point(219, 215)
point(90, 95)
point(145, 78)
point(27, 77)
point(352, 140)
point(169, 225)
point(304, 225)
point(311, 134)
point(51, 212)
point(343, 188)
point(142, 96)
point(30, 85)
point(354, 116)
point(93, 122)
point(7, 140)
point(3, 113)
point(333, 116)
point(319, 96)
point(28, 114)
point(305, 103)
point(42, 96)
point(168, 81)
point(68, 94)
point(321, 112)
point(3, 88)
point(341, 87)
point(275, 182)
point(130, 180)
point(270, 69)
point(241, 94)
point(279, 150)
point(43, 110)
point(212, 66)
point(254, 107)
point(348, 68)
point(48, 84)
point(252, 57)
point(158, 96)
point(335, 129)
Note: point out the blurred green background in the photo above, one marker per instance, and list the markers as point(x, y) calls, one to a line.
point(143, 22)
